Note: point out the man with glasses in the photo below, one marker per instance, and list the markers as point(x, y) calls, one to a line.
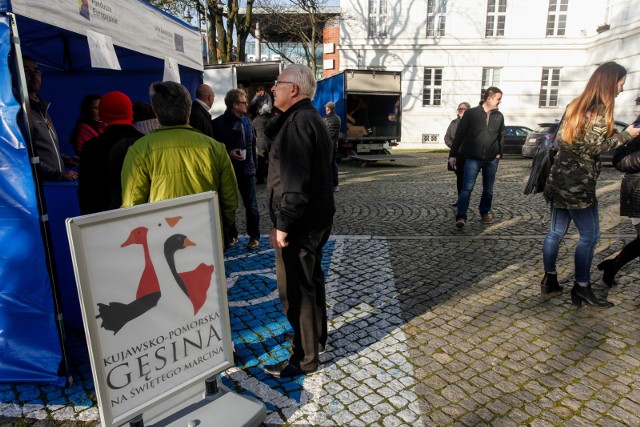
point(479, 138)
point(234, 129)
point(52, 162)
point(301, 207)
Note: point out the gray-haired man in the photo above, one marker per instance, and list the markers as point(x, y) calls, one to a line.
point(301, 206)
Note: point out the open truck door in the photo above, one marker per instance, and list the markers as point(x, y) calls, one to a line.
point(244, 75)
point(369, 103)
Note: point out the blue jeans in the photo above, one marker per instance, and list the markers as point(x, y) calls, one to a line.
point(472, 168)
point(587, 223)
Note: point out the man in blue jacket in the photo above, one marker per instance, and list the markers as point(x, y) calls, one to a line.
point(234, 129)
point(479, 138)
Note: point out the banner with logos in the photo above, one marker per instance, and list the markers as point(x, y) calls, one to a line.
point(132, 24)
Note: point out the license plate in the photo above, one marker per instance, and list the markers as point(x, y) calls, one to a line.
point(532, 140)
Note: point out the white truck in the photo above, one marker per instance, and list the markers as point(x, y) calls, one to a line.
point(243, 75)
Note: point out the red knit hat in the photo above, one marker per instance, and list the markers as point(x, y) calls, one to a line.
point(116, 109)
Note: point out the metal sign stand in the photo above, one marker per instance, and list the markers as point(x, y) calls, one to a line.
point(216, 407)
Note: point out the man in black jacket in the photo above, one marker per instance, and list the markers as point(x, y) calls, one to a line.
point(301, 206)
point(200, 117)
point(101, 159)
point(479, 138)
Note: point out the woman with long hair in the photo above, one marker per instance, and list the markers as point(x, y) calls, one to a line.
point(587, 130)
point(88, 125)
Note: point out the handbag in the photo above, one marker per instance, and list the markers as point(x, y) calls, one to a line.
point(541, 165)
point(540, 168)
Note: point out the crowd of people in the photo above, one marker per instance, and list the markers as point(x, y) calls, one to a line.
point(586, 130)
point(129, 154)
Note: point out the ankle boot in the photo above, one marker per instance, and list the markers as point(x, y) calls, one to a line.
point(550, 284)
point(580, 294)
point(611, 266)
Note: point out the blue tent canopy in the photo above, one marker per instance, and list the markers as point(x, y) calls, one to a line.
point(30, 348)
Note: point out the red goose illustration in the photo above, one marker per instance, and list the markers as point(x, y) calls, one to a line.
point(195, 283)
point(115, 315)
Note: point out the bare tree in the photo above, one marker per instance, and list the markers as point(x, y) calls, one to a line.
point(290, 26)
point(224, 21)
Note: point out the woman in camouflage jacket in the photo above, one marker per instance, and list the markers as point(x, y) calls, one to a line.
point(586, 131)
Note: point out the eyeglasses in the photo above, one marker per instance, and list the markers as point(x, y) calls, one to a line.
point(242, 102)
point(35, 72)
point(276, 82)
point(462, 109)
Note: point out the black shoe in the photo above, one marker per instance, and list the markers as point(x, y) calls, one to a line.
point(284, 369)
point(288, 336)
point(609, 268)
point(550, 284)
point(580, 294)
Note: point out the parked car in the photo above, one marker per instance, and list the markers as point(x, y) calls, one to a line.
point(514, 138)
point(545, 133)
point(542, 135)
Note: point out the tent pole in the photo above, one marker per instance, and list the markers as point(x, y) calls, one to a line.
point(23, 120)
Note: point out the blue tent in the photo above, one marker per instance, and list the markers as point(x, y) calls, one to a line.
point(36, 276)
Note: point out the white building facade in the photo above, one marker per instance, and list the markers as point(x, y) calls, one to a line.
point(540, 53)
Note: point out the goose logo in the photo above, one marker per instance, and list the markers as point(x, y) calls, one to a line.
point(194, 284)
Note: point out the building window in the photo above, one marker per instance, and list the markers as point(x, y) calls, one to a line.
point(557, 19)
point(378, 19)
point(496, 16)
point(432, 87)
point(490, 77)
point(549, 85)
point(436, 17)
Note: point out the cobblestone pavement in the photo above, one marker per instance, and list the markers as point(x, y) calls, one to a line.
point(429, 325)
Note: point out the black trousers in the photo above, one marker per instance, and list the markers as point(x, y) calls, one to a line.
point(302, 294)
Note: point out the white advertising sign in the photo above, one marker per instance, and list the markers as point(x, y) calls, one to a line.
point(132, 24)
point(171, 71)
point(103, 54)
point(152, 290)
